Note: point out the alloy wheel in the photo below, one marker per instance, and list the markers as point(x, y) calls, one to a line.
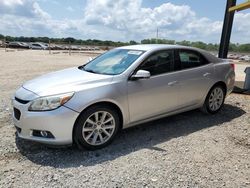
point(216, 99)
point(98, 128)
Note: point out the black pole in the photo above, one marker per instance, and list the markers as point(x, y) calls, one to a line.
point(227, 29)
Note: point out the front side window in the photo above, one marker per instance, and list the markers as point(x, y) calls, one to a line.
point(190, 59)
point(113, 62)
point(159, 63)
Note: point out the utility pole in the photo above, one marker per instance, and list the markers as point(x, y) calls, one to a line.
point(157, 35)
point(227, 29)
point(5, 44)
point(69, 48)
point(49, 47)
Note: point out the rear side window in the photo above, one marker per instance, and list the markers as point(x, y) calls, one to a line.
point(159, 63)
point(190, 59)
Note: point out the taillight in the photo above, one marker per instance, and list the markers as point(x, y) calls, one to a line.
point(233, 66)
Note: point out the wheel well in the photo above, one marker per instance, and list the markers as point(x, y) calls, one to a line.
point(106, 104)
point(113, 106)
point(220, 83)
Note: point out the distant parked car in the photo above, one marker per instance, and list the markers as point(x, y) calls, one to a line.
point(233, 56)
point(75, 48)
point(65, 47)
point(56, 47)
point(37, 46)
point(84, 48)
point(245, 58)
point(18, 45)
point(44, 44)
point(230, 56)
point(96, 48)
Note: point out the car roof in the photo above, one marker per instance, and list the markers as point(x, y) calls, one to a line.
point(156, 47)
point(150, 47)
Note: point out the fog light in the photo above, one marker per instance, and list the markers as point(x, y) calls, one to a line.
point(44, 133)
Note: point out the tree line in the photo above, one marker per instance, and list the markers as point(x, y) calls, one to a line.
point(95, 42)
point(198, 44)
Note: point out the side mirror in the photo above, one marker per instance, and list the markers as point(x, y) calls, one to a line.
point(140, 74)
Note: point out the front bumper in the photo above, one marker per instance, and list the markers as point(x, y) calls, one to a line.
point(58, 122)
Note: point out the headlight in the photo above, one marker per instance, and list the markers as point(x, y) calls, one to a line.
point(50, 102)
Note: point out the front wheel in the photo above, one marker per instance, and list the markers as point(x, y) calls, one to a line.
point(214, 100)
point(96, 127)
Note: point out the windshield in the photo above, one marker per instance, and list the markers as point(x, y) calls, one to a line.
point(113, 62)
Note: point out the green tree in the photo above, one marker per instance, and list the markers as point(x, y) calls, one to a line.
point(1, 36)
point(244, 48)
point(184, 43)
point(69, 39)
point(199, 44)
point(132, 42)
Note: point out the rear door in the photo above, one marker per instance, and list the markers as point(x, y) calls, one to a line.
point(195, 76)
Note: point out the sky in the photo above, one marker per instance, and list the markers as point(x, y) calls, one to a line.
point(122, 20)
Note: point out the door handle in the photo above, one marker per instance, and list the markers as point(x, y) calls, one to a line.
point(206, 74)
point(172, 83)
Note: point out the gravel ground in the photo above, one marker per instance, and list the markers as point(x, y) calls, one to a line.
point(187, 150)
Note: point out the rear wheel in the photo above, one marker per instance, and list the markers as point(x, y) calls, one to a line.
point(96, 127)
point(214, 100)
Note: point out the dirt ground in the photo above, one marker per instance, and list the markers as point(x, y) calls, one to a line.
point(186, 150)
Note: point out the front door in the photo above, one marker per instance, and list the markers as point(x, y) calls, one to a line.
point(158, 94)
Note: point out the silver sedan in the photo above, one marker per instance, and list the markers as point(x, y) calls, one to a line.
point(126, 86)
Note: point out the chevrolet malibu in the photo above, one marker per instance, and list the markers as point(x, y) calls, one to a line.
point(126, 86)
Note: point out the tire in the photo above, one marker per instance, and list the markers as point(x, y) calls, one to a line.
point(214, 100)
point(96, 127)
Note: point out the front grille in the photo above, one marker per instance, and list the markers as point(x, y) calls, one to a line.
point(21, 101)
point(17, 113)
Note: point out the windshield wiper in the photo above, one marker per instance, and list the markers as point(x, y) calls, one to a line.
point(89, 71)
point(92, 71)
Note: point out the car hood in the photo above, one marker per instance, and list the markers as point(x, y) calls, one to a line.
point(68, 80)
